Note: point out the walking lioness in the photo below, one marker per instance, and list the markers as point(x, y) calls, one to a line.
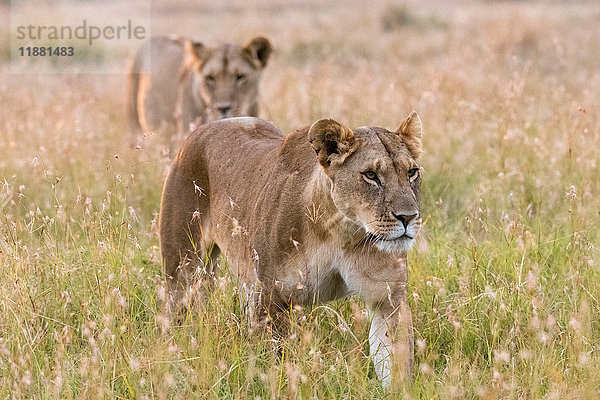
point(323, 213)
point(173, 81)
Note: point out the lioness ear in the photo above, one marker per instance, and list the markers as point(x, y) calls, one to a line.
point(411, 131)
point(330, 139)
point(259, 49)
point(196, 50)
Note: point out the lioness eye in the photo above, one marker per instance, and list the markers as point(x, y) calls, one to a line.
point(413, 173)
point(209, 79)
point(240, 77)
point(372, 176)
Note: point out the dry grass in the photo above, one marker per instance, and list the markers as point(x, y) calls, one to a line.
point(505, 298)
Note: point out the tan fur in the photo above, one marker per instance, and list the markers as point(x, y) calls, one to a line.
point(174, 81)
point(300, 220)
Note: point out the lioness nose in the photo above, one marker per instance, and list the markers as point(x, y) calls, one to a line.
point(405, 219)
point(223, 109)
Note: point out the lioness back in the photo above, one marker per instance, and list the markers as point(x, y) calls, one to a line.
point(153, 84)
point(210, 176)
point(174, 81)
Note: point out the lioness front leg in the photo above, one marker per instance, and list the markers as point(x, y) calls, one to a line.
point(391, 337)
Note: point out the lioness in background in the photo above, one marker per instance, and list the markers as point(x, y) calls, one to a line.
point(173, 81)
point(321, 214)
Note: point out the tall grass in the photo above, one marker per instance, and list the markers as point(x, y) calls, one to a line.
point(504, 286)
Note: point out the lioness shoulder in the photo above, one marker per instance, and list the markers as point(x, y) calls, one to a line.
point(174, 81)
point(323, 213)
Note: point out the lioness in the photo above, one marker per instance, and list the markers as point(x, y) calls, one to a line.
point(320, 214)
point(174, 81)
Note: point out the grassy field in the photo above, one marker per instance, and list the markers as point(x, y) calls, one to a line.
point(504, 286)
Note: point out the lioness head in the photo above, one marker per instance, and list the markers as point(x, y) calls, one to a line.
point(226, 78)
point(375, 177)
